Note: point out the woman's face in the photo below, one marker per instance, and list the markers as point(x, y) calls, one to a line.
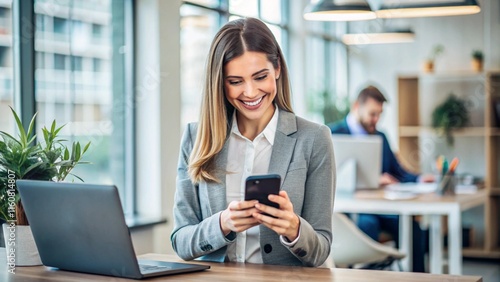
point(250, 86)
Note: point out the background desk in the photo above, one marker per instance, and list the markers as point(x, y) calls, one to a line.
point(372, 201)
point(238, 272)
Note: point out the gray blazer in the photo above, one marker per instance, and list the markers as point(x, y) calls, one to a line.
point(303, 156)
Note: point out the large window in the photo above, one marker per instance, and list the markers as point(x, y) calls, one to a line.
point(200, 20)
point(325, 91)
point(6, 71)
point(82, 78)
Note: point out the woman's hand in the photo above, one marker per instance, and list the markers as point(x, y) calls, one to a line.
point(286, 223)
point(238, 216)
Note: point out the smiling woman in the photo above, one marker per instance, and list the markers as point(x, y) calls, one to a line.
point(247, 127)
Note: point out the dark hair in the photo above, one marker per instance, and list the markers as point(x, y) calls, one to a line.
point(371, 92)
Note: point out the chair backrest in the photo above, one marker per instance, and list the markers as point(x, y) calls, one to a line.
point(352, 246)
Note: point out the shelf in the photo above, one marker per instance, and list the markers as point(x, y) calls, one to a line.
point(415, 131)
point(419, 90)
point(458, 74)
point(494, 131)
point(452, 75)
point(408, 76)
point(480, 253)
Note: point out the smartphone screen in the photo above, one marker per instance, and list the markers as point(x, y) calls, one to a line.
point(258, 187)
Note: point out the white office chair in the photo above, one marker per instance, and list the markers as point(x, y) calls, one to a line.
point(351, 247)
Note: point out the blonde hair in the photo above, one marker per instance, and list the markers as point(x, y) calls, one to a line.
point(231, 41)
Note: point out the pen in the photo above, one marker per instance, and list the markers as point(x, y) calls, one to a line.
point(445, 166)
point(439, 163)
point(446, 187)
point(453, 165)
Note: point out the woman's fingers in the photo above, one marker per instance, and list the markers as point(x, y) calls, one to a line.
point(283, 220)
point(238, 216)
point(241, 205)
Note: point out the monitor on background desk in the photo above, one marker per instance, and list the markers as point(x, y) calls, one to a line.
point(358, 160)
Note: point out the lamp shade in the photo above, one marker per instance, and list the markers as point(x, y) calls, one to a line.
point(427, 8)
point(339, 10)
point(383, 37)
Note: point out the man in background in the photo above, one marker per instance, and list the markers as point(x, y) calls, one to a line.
point(362, 120)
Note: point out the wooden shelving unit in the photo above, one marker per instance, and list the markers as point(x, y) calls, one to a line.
point(480, 253)
point(483, 89)
point(415, 131)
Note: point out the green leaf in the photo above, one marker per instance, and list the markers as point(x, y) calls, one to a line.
point(20, 127)
point(66, 154)
point(29, 169)
point(31, 126)
point(9, 138)
point(59, 129)
point(73, 149)
point(53, 127)
point(86, 148)
point(78, 151)
point(32, 140)
point(45, 135)
point(77, 177)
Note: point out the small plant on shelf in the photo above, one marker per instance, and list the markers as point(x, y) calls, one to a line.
point(436, 51)
point(451, 114)
point(477, 60)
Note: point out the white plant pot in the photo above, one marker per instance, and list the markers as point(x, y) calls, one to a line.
point(20, 245)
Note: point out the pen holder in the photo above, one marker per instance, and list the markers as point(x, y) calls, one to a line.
point(447, 185)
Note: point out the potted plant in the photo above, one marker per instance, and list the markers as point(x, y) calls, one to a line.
point(437, 50)
point(477, 60)
point(24, 158)
point(328, 105)
point(451, 114)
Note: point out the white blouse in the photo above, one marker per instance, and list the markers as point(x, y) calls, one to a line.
point(245, 158)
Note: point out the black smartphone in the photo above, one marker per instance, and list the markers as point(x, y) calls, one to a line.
point(258, 187)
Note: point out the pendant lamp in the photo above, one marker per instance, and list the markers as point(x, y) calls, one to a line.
point(427, 8)
point(386, 36)
point(339, 10)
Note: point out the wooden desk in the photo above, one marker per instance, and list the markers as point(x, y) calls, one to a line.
point(372, 201)
point(238, 272)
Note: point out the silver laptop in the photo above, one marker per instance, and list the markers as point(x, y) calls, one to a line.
point(358, 161)
point(81, 227)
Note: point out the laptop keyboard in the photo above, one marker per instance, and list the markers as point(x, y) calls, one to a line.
point(146, 268)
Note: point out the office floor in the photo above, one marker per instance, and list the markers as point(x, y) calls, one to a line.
point(488, 269)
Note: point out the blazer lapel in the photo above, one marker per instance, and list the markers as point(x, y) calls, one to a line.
point(284, 144)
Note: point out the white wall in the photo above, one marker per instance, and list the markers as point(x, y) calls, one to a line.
point(383, 63)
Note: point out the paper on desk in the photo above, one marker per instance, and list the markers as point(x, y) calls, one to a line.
point(417, 188)
point(399, 195)
point(465, 189)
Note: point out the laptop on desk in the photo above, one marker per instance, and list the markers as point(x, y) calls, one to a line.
point(81, 227)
